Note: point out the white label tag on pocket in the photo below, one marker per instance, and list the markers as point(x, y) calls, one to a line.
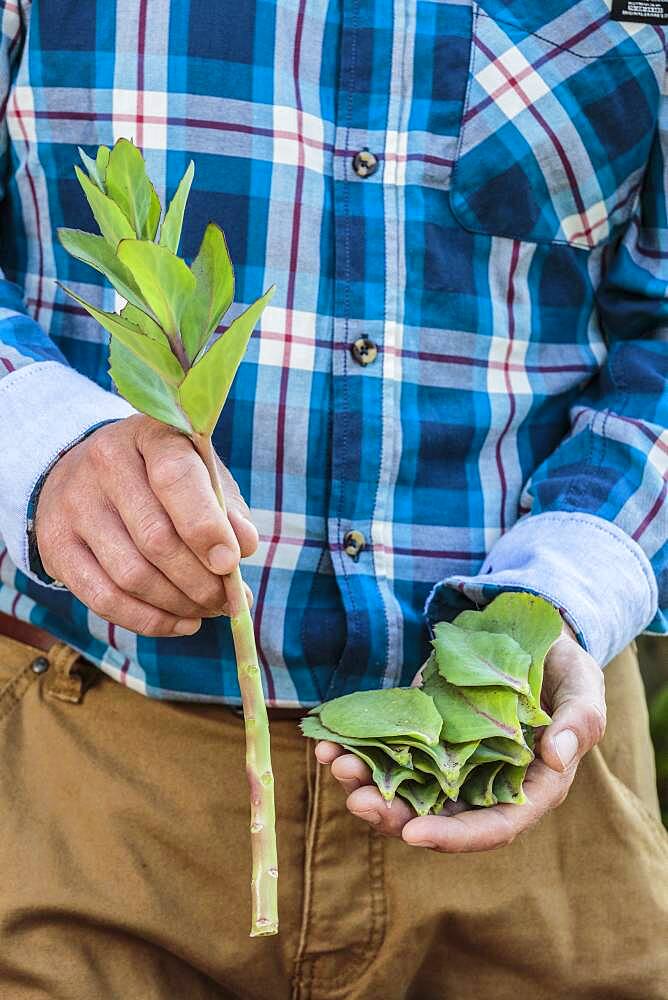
point(640, 11)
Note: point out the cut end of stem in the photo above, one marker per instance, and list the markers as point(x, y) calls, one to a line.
point(264, 927)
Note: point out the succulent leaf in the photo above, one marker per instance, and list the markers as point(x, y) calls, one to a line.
point(102, 162)
point(165, 281)
point(313, 728)
point(389, 712)
point(207, 384)
point(508, 784)
point(213, 296)
point(129, 187)
point(422, 798)
point(170, 234)
point(148, 326)
point(478, 789)
point(533, 623)
point(98, 253)
point(112, 222)
point(159, 358)
point(92, 168)
point(144, 389)
point(480, 658)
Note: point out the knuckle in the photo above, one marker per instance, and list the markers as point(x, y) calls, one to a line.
point(203, 531)
point(155, 535)
point(152, 623)
point(101, 601)
point(168, 470)
point(132, 576)
point(211, 596)
point(593, 720)
point(102, 450)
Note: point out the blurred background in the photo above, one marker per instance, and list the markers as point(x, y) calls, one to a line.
point(654, 665)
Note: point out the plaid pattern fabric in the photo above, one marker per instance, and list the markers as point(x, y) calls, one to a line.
point(509, 257)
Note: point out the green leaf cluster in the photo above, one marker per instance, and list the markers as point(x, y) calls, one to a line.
point(164, 357)
point(467, 733)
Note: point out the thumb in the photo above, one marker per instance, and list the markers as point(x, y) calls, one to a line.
point(576, 690)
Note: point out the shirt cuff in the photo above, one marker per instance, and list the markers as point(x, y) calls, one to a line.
point(593, 572)
point(45, 408)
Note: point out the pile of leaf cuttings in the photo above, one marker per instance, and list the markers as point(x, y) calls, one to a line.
point(468, 732)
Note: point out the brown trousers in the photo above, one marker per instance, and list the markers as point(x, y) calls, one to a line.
point(124, 865)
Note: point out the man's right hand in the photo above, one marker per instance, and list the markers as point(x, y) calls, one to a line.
point(128, 521)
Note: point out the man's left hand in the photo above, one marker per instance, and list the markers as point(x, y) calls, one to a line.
point(574, 694)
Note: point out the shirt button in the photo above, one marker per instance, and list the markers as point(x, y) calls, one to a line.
point(353, 543)
point(364, 351)
point(365, 163)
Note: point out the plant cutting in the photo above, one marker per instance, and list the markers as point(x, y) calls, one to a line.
point(168, 361)
point(468, 732)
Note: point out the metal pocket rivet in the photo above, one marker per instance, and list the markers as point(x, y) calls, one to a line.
point(40, 665)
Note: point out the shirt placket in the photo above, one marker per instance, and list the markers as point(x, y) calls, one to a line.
point(370, 276)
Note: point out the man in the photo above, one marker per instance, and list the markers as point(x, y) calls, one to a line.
point(458, 390)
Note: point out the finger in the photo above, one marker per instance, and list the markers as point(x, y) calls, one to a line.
point(368, 804)
point(180, 481)
point(89, 582)
point(238, 512)
point(493, 827)
point(119, 557)
point(154, 535)
point(576, 691)
point(350, 772)
point(326, 751)
point(229, 586)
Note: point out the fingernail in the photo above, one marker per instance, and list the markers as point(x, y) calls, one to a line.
point(421, 843)
point(187, 626)
point(219, 559)
point(566, 746)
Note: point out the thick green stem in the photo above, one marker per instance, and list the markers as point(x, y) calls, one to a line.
point(264, 884)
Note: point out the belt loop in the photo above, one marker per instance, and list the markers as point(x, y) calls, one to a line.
point(64, 683)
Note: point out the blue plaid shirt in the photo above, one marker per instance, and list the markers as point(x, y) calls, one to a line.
point(477, 189)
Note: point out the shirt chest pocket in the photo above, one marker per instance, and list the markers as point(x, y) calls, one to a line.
point(557, 123)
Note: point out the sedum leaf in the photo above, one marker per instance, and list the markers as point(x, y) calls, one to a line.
point(147, 325)
point(473, 713)
point(508, 784)
point(98, 253)
point(314, 730)
point(129, 187)
point(533, 623)
point(388, 712)
point(159, 358)
point(500, 748)
point(207, 384)
point(154, 213)
point(144, 388)
point(478, 789)
point(164, 280)
point(447, 780)
point(213, 296)
point(92, 168)
point(113, 224)
point(449, 758)
point(480, 658)
point(102, 162)
point(422, 798)
point(386, 775)
point(530, 713)
point(170, 234)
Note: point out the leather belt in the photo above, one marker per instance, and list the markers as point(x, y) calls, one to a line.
point(30, 635)
point(39, 638)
